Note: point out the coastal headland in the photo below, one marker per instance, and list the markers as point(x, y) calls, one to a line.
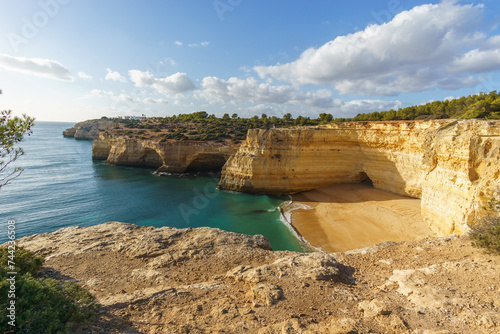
point(450, 167)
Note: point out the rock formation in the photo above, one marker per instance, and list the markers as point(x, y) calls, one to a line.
point(167, 156)
point(204, 280)
point(90, 129)
point(453, 166)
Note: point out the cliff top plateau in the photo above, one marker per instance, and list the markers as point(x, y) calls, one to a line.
point(166, 280)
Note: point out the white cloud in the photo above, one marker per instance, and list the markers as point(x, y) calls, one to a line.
point(170, 61)
point(99, 93)
point(477, 61)
point(197, 45)
point(173, 84)
point(115, 76)
point(352, 108)
point(150, 100)
point(234, 90)
point(122, 97)
point(44, 68)
point(178, 43)
point(84, 75)
point(413, 52)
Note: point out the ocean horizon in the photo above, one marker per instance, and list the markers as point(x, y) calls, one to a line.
point(61, 186)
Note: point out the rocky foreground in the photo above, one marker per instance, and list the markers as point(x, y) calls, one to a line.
point(166, 280)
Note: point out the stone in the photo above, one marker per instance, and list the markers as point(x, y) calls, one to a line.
point(268, 294)
point(373, 308)
point(315, 266)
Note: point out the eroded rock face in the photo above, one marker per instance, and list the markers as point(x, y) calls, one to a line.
point(90, 129)
point(170, 157)
point(453, 166)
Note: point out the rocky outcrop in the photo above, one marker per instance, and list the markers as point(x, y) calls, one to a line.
point(90, 129)
point(453, 166)
point(204, 280)
point(167, 156)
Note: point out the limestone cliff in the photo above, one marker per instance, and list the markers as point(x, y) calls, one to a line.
point(168, 156)
point(452, 166)
point(90, 129)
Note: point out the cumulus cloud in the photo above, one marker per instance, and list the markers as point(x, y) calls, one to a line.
point(122, 97)
point(233, 90)
point(173, 84)
point(44, 68)
point(84, 75)
point(413, 52)
point(115, 76)
point(178, 43)
point(354, 107)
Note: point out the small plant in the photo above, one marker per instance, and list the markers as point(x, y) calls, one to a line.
point(487, 234)
point(43, 305)
point(26, 262)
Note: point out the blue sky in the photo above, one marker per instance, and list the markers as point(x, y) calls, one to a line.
point(71, 60)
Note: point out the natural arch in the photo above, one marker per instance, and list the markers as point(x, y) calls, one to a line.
point(151, 158)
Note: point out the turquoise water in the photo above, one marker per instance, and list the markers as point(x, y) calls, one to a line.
point(61, 186)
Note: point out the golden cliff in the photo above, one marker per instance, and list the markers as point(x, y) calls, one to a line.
point(452, 166)
point(90, 129)
point(169, 156)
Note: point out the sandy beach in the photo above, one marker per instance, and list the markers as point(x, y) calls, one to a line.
point(349, 216)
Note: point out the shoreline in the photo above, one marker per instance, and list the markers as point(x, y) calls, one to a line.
point(286, 219)
point(344, 217)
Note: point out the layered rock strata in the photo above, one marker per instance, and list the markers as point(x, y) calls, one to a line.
point(453, 166)
point(90, 129)
point(169, 156)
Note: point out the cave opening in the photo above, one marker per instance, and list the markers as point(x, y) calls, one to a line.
point(206, 162)
point(151, 158)
point(365, 179)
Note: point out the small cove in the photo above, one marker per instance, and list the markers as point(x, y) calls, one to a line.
point(61, 186)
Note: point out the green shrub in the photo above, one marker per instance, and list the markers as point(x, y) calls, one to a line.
point(26, 262)
point(488, 237)
point(487, 234)
point(42, 305)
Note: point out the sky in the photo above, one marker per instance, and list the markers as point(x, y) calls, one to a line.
point(72, 60)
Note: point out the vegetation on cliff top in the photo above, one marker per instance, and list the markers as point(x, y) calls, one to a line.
point(200, 126)
point(42, 305)
point(482, 105)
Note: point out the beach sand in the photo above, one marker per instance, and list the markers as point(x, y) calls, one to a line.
point(350, 216)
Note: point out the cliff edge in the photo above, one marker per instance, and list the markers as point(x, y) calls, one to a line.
point(89, 130)
point(204, 280)
point(173, 156)
point(452, 166)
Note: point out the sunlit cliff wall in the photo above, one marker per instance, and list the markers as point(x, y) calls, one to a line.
point(452, 166)
point(173, 157)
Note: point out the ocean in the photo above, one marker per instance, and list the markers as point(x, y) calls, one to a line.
point(61, 186)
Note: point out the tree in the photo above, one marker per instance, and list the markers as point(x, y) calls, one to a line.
point(12, 131)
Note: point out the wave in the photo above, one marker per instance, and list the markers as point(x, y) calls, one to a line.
point(286, 210)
